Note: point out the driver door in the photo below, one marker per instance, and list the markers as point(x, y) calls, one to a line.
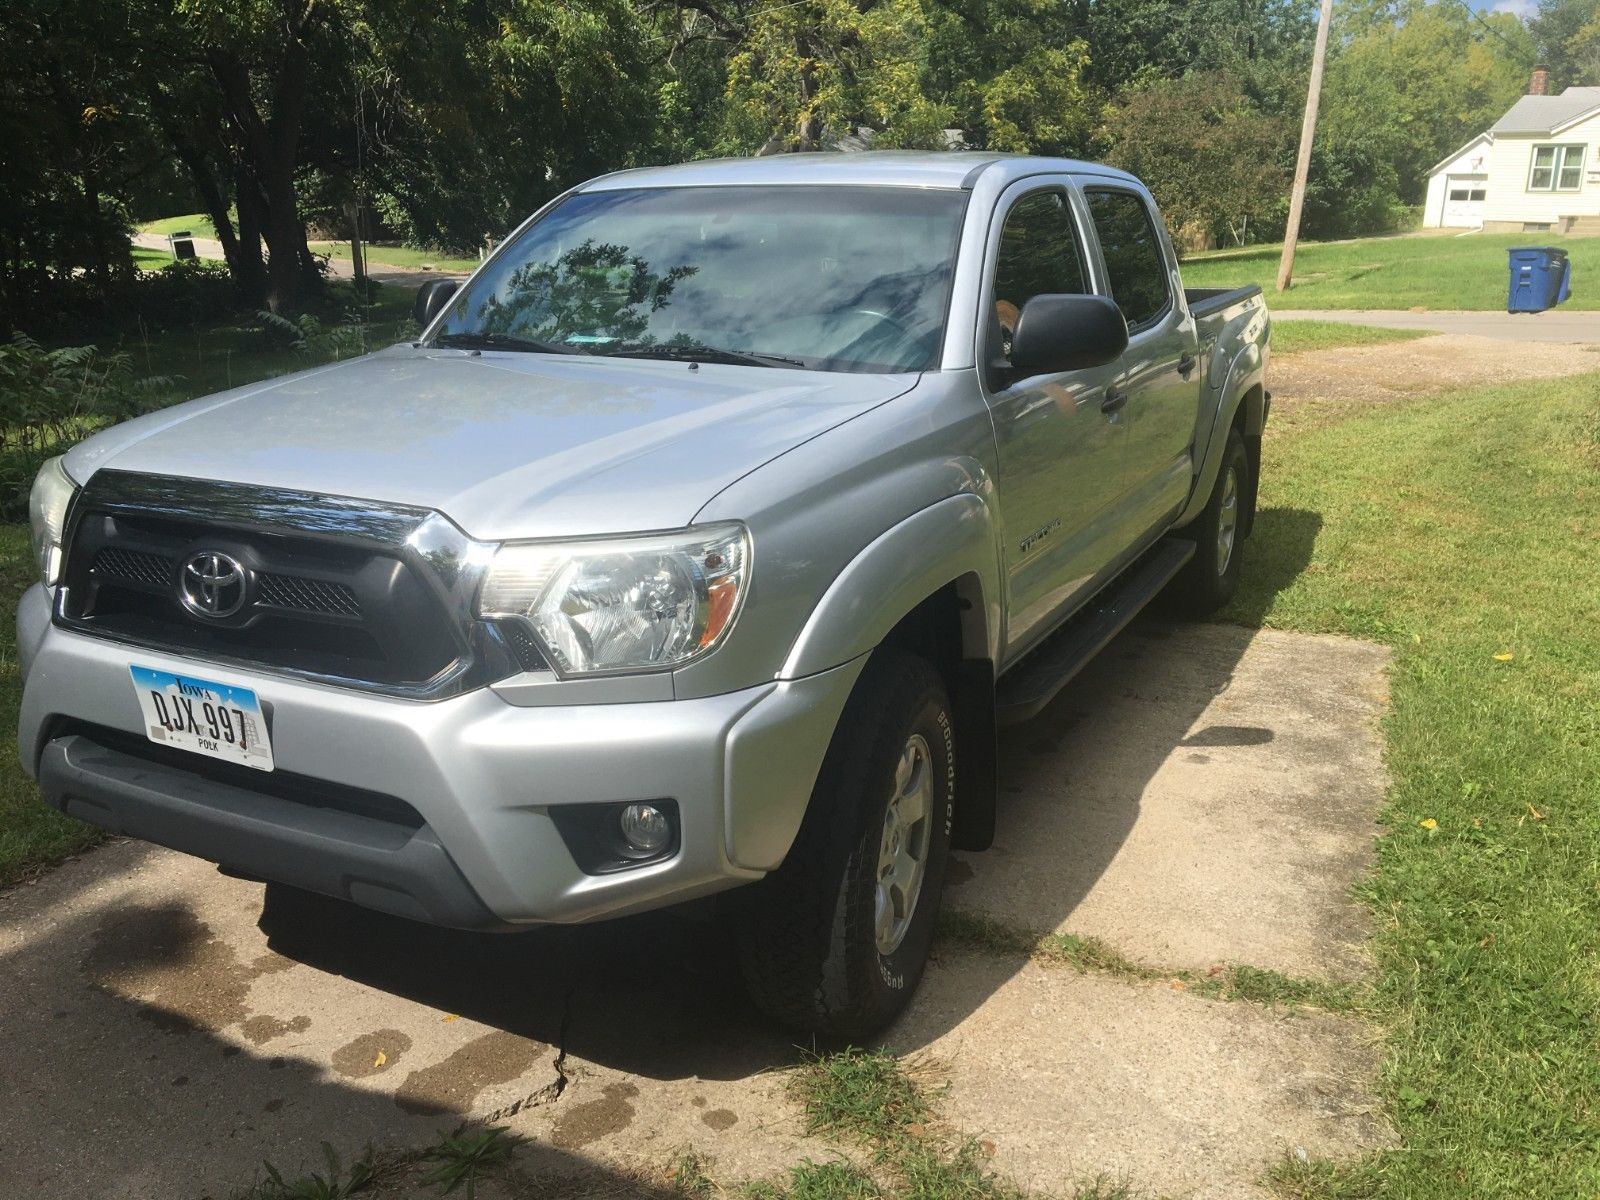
point(1062, 445)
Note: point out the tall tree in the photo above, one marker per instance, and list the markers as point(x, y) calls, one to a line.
point(811, 71)
point(1420, 80)
point(1214, 160)
point(1568, 35)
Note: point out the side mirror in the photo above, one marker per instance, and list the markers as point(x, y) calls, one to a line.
point(431, 299)
point(1067, 333)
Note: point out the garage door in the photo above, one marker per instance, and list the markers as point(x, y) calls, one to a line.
point(1463, 200)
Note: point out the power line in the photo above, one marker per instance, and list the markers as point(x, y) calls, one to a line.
point(1488, 28)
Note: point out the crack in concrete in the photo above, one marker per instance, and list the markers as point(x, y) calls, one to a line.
point(550, 1092)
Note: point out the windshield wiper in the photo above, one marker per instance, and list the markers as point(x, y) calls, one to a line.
point(677, 352)
point(499, 341)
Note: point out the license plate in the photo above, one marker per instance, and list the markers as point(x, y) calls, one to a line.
point(218, 720)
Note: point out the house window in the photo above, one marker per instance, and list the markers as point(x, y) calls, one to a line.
point(1556, 169)
point(1470, 195)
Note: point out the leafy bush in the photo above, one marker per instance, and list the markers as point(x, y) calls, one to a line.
point(313, 338)
point(50, 399)
point(188, 292)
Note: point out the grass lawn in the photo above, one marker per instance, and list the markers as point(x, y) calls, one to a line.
point(31, 835)
point(1468, 272)
point(390, 255)
point(196, 223)
point(1462, 530)
point(1290, 337)
point(204, 361)
point(145, 259)
point(398, 256)
point(150, 260)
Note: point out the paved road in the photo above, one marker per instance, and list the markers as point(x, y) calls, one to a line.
point(337, 267)
point(1557, 325)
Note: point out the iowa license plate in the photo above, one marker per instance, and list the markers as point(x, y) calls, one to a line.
point(203, 716)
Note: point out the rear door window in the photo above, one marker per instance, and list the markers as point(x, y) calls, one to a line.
point(1135, 265)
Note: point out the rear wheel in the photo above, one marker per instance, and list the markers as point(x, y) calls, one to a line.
point(1212, 576)
point(833, 943)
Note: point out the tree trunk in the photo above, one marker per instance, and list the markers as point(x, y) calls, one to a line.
point(253, 264)
point(287, 251)
point(99, 252)
point(269, 149)
point(808, 128)
point(358, 257)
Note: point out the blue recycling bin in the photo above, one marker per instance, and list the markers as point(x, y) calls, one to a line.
point(1541, 278)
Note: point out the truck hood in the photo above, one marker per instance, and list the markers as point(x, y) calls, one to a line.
point(506, 445)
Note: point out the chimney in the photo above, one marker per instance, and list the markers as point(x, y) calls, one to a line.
point(1539, 84)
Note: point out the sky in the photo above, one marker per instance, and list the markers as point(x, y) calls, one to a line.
point(1523, 8)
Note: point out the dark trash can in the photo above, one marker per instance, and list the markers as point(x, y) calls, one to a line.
point(1541, 278)
point(182, 243)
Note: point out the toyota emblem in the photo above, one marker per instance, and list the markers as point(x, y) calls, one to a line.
point(212, 585)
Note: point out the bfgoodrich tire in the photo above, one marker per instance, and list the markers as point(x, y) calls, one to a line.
point(833, 943)
point(1212, 576)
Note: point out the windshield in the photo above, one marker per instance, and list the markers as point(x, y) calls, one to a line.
point(829, 278)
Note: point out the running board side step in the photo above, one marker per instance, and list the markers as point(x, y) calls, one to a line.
point(1027, 687)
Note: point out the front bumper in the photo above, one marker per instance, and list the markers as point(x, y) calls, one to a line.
point(482, 773)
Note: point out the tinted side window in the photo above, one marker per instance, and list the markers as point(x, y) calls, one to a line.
point(1137, 270)
point(1038, 256)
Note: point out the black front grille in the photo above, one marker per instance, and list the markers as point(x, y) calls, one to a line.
point(307, 595)
point(293, 592)
point(134, 566)
point(313, 604)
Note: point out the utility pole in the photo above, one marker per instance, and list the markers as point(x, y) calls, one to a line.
point(358, 255)
point(1302, 166)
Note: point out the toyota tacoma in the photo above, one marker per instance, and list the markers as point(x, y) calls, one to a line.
point(701, 541)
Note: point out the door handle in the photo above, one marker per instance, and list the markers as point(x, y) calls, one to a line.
point(1186, 364)
point(1113, 400)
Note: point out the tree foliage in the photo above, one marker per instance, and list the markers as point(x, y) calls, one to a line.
point(1212, 157)
point(444, 125)
point(1568, 36)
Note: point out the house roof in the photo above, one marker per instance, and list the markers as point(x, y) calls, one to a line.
point(1458, 152)
point(1547, 114)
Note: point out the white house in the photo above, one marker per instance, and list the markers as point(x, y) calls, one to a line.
point(1537, 168)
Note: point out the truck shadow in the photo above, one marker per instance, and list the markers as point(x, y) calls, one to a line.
point(659, 995)
point(129, 1075)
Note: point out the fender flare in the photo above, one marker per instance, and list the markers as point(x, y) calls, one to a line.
point(950, 540)
point(1241, 385)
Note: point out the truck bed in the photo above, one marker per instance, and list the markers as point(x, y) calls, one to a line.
point(1205, 302)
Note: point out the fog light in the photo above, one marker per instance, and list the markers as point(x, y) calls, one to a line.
point(645, 828)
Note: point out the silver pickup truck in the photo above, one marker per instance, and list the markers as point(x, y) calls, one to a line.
point(701, 542)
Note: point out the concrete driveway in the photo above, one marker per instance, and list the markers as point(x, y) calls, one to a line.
point(1202, 795)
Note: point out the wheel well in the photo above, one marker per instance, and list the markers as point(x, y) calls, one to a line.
point(949, 630)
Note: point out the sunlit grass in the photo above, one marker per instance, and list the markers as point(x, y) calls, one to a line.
point(1464, 530)
point(1470, 272)
point(1292, 337)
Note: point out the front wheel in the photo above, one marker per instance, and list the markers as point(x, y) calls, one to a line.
point(833, 943)
point(1212, 576)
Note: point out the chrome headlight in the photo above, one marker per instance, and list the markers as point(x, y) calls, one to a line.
point(52, 493)
point(622, 604)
